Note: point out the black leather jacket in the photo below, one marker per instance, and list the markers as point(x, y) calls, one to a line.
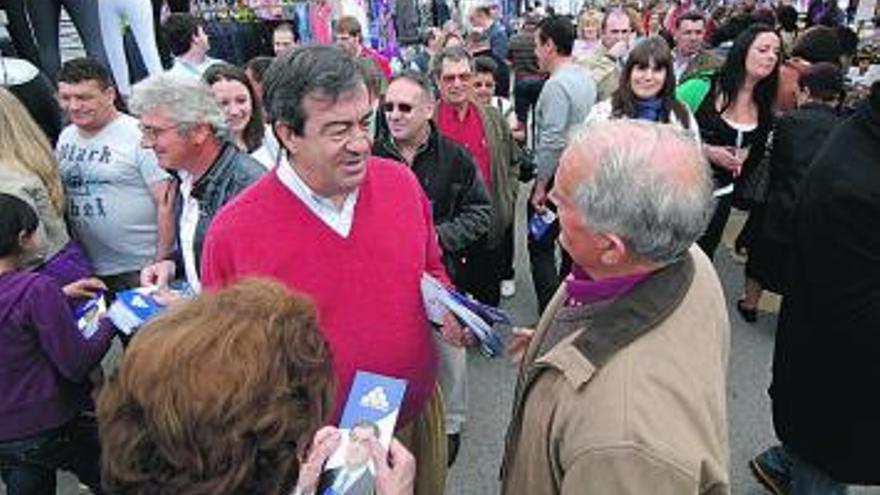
point(453, 184)
point(232, 172)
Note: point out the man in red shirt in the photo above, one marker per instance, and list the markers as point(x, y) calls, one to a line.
point(352, 231)
point(483, 132)
point(349, 35)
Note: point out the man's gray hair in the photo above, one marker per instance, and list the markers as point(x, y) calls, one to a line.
point(651, 186)
point(187, 101)
point(452, 53)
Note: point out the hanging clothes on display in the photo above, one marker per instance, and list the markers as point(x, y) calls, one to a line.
point(45, 16)
point(441, 12)
point(301, 20)
point(384, 35)
point(320, 17)
point(406, 16)
point(139, 14)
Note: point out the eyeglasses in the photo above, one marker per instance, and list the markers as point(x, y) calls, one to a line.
point(389, 106)
point(450, 78)
point(150, 132)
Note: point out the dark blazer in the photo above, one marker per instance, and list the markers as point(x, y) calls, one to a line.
point(364, 485)
point(231, 173)
point(826, 363)
point(798, 137)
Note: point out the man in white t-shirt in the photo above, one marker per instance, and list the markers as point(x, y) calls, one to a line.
point(189, 43)
point(120, 203)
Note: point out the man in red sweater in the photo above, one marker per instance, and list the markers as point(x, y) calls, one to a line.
point(352, 231)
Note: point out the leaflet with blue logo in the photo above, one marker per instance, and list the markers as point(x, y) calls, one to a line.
point(88, 316)
point(132, 308)
point(539, 224)
point(479, 318)
point(371, 410)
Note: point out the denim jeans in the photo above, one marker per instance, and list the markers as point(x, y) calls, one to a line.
point(803, 477)
point(45, 15)
point(28, 465)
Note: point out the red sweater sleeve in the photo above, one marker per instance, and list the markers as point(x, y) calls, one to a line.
point(216, 269)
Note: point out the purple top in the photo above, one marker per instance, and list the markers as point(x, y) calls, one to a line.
point(583, 290)
point(44, 358)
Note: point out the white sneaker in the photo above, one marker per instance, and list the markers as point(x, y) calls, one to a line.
point(508, 288)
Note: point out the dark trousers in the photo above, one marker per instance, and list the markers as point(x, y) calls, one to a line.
point(712, 236)
point(28, 466)
point(20, 31)
point(178, 5)
point(482, 273)
point(542, 254)
point(506, 252)
point(45, 16)
point(525, 97)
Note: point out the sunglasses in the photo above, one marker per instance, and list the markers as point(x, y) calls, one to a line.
point(389, 106)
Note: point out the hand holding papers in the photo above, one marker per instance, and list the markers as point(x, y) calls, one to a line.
point(369, 416)
point(478, 318)
point(133, 308)
point(88, 316)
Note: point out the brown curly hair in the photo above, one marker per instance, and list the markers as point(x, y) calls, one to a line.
point(219, 395)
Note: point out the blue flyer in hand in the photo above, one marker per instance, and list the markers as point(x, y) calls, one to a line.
point(88, 315)
point(133, 308)
point(370, 412)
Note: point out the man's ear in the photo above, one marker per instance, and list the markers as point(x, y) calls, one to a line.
point(285, 136)
point(614, 250)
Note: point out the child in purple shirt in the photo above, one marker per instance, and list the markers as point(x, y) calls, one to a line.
point(44, 365)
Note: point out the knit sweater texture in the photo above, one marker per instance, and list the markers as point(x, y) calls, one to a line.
point(366, 286)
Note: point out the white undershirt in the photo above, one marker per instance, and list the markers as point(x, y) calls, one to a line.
point(338, 219)
point(189, 219)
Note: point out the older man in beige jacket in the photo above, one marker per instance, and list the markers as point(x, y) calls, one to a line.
point(622, 385)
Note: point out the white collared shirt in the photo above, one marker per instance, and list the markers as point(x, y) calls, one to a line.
point(189, 220)
point(338, 219)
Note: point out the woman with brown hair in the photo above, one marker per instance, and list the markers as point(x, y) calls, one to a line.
point(223, 395)
point(647, 89)
point(244, 115)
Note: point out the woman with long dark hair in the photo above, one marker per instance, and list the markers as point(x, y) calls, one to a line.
point(233, 90)
point(647, 89)
point(735, 115)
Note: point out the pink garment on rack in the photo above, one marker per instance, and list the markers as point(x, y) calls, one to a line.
point(320, 15)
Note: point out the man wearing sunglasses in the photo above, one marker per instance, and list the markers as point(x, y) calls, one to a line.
point(459, 206)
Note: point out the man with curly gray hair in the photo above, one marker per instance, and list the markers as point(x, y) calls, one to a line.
point(622, 385)
point(184, 125)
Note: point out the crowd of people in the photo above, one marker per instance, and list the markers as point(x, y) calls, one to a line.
point(285, 212)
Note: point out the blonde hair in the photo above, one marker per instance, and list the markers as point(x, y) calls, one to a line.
point(590, 18)
point(24, 146)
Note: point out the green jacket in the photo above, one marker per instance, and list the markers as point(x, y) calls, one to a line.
point(702, 63)
point(505, 158)
point(605, 70)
